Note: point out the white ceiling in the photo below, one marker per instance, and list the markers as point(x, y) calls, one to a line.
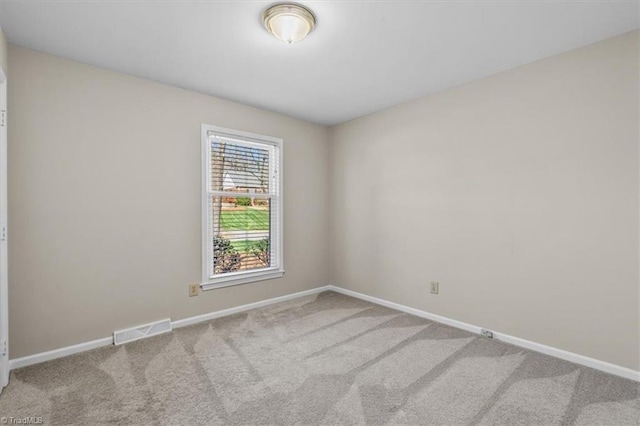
point(362, 57)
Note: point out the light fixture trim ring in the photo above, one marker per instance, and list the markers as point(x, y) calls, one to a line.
point(295, 9)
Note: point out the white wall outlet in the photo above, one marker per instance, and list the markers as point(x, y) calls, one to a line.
point(435, 287)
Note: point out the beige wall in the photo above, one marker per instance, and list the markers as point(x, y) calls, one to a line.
point(518, 193)
point(104, 202)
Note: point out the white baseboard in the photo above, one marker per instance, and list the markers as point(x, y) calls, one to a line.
point(538, 347)
point(607, 367)
point(106, 341)
point(226, 312)
point(59, 353)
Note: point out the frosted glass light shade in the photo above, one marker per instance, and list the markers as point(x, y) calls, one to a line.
point(288, 22)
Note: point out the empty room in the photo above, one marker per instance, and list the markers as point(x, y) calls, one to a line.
point(326, 212)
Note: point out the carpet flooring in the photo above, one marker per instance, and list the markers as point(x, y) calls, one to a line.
point(327, 359)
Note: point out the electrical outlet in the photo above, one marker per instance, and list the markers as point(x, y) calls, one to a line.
point(435, 287)
point(486, 333)
point(194, 290)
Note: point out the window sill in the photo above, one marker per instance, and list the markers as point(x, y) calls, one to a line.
point(241, 279)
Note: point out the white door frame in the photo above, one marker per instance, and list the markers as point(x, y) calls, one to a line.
point(4, 274)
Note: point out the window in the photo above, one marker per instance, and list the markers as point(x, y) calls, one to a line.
point(242, 207)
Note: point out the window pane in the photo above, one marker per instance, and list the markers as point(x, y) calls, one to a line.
point(242, 233)
point(239, 168)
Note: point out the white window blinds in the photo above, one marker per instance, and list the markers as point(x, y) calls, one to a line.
point(242, 202)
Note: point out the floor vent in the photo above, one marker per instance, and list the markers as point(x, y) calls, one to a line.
point(141, 331)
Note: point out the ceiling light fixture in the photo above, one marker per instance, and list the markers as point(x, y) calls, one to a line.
point(288, 22)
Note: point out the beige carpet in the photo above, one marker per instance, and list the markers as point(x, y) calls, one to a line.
point(327, 359)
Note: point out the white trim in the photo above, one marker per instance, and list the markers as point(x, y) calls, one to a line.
point(59, 353)
point(242, 308)
point(107, 341)
point(527, 344)
point(233, 135)
point(205, 202)
point(242, 278)
point(607, 367)
point(260, 195)
point(276, 242)
point(4, 263)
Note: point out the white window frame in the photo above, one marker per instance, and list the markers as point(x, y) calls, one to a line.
point(210, 282)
